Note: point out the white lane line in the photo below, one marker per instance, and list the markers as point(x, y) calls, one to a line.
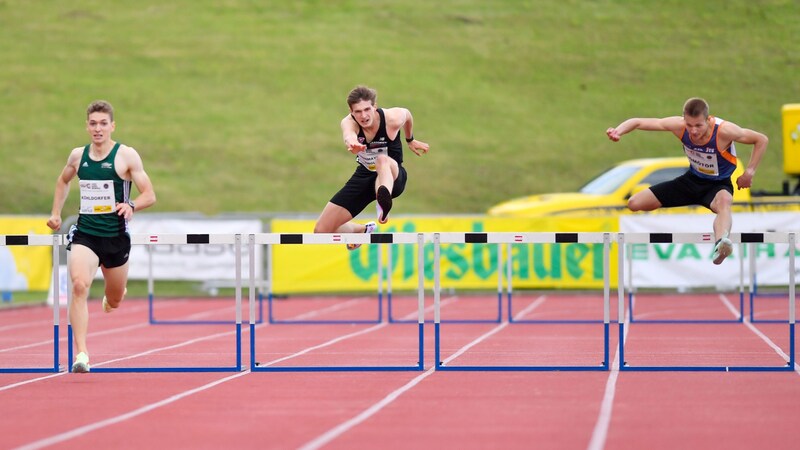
point(600, 432)
point(80, 431)
point(758, 332)
point(534, 304)
point(346, 426)
point(342, 428)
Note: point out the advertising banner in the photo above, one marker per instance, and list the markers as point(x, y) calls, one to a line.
point(192, 262)
point(332, 268)
point(24, 268)
point(689, 265)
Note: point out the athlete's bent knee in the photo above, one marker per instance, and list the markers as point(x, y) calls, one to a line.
point(324, 227)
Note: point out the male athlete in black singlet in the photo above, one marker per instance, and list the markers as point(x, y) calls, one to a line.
point(373, 135)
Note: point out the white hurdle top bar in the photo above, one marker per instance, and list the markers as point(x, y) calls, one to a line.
point(30, 239)
point(411, 238)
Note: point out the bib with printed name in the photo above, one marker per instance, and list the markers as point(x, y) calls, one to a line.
point(707, 160)
point(97, 196)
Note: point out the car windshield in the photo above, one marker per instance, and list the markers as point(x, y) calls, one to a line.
point(610, 180)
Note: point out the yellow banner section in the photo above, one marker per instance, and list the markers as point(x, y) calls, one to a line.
point(332, 268)
point(25, 268)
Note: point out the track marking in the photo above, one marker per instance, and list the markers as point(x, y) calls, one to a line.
point(758, 333)
point(342, 428)
point(332, 308)
point(346, 426)
point(80, 431)
point(600, 432)
point(534, 304)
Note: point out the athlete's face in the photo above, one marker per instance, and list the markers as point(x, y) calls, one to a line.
point(697, 126)
point(363, 112)
point(100, 126)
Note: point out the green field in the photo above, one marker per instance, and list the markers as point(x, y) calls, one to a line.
point(234, 105)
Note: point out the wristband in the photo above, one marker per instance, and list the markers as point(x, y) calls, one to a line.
point(130, 203)
point(409, 139)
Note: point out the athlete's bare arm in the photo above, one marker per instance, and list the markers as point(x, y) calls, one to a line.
point(130, 164)
point(62, 187)
point(350, 135)
point(397, 118)
point(730, 132)
point(675, 124)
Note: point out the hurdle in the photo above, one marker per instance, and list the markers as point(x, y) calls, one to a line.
point(508, 238)
point(270, 239)
point(186, 239)
point(53, 241)
point(509, 289)
point(151, 302)
point(753, 293)
point(497, 319)
point(741, 238)
point(660, 238)
point(290, 238)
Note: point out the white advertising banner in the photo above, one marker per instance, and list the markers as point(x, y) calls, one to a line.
point(201, 262)
point(689, 265)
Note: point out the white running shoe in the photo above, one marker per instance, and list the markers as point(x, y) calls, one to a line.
point(369, 228)
point(722, 250)
point(108, 308)
point(81, 364)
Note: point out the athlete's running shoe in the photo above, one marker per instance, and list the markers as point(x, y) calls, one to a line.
point(722, 250)
point(384, 198)
point(369, 228)
point(108, 308)
point(81, 364)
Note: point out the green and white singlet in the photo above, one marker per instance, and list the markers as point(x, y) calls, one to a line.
point(101, 189)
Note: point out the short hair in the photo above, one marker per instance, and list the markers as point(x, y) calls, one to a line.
point(695, 107)
point(100, 106)
point(361, 93)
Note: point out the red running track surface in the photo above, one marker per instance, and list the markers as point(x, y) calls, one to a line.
point(420, 410)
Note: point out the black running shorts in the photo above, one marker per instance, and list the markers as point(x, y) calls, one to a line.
point(359, 191)
point(112, 251)
point(689, 189)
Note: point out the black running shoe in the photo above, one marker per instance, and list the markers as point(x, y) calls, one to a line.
point(384, 198)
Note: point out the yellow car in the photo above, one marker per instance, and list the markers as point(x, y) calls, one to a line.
point(608, 193)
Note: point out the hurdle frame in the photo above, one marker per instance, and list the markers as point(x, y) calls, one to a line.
point(54, 241)
point(184, 239)
point(499, 317)
point(509, 288)
point(530, 237)
point(339, 239)
point(151, 302)
point(741, 238)
point(657, 238)
point(290, 238)
point(753, 292)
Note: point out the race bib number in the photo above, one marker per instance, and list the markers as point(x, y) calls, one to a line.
point(705, 163)
point(97, 196)
point(368, 157)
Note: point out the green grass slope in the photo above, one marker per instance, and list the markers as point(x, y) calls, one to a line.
point(234, 105)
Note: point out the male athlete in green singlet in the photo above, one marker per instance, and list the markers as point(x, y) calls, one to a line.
point(105, 170)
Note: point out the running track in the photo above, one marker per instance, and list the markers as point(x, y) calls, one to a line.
point(388, 410)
